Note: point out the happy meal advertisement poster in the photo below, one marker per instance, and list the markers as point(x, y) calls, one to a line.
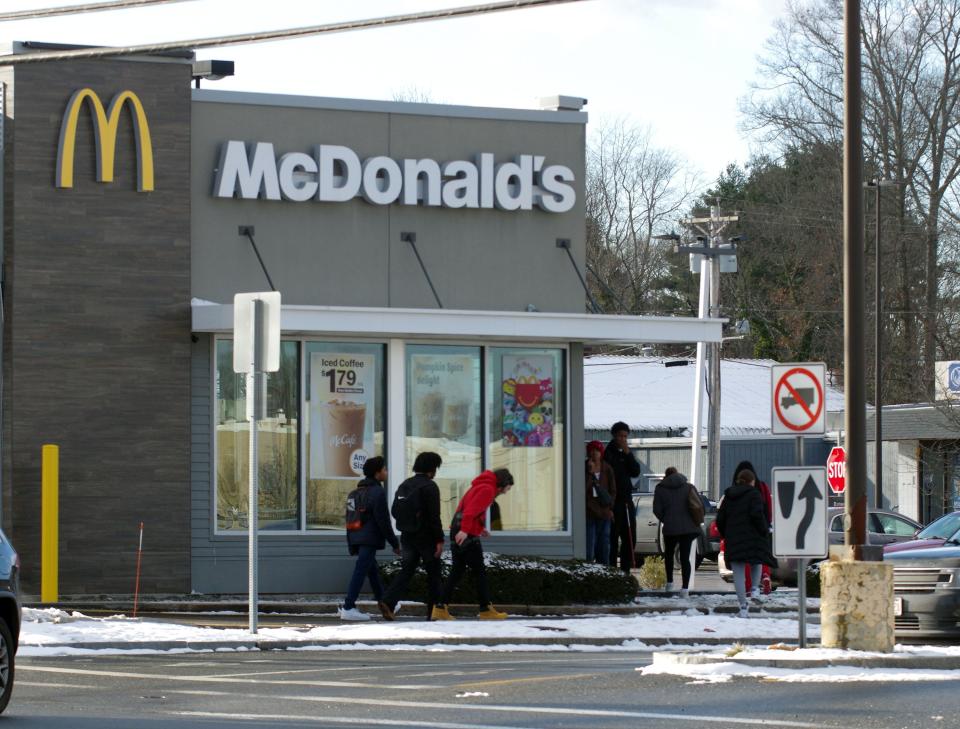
point(527, 401)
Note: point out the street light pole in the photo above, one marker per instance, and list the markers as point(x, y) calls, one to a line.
point(875, 184)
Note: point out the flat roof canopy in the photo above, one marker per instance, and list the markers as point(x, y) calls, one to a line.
point(463, 323)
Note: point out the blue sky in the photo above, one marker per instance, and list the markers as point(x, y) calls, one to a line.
point(679, 66)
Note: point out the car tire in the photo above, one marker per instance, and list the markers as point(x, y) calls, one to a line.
point(6, 664)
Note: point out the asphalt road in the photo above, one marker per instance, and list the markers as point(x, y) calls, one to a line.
point(455, 690)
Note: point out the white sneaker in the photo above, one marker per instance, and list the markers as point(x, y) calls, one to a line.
point(744, 613)
point(668, 587)
point(755, 593)
point(684, 593)
point(353, 615)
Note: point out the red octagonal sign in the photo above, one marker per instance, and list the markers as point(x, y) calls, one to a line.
point(837, 469)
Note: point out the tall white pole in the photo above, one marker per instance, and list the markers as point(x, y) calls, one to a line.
point(698, 377)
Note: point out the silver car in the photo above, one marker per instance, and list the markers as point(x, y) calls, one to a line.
point(883, 527)
point(649, 541)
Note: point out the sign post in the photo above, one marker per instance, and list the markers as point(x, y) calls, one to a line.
point(800, 523)
point(256, 349)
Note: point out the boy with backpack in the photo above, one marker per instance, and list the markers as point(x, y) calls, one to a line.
point(469, 524)
point(416, 509)
point(368, 528)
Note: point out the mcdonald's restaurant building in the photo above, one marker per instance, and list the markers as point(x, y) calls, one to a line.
point(427, 258)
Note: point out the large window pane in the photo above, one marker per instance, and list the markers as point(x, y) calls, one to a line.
point(526, 404)
point(277, 446)
point(345, 423)
point(444, 416)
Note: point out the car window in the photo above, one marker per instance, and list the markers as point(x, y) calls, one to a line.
point(942, 528)
point(895, 525)
point(837, 524)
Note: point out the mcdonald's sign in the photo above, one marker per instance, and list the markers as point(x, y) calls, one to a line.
point(105, 123)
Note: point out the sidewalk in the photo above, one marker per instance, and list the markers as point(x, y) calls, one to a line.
point(698, 637)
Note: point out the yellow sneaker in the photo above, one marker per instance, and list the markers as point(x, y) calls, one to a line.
point(440, 612)
point(491, 613)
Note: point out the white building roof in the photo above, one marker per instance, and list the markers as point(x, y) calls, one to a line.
point(648, 396)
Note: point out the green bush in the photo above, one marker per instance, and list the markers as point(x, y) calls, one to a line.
point(530, 581)
point(813, 579)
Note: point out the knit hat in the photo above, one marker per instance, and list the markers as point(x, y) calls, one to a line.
point(594, 445)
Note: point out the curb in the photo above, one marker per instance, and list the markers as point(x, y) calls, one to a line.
point(892, 661)
point(265, 645)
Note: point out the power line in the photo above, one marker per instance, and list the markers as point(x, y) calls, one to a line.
point(273, 35)
point(77, 9)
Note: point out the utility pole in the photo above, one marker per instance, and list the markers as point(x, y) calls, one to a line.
point(714, 256)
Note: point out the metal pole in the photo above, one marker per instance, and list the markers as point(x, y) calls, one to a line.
point(801, 573)
point(713, 421)
point(802, 589)
point(855, 494)
point(877, 392)
point(253, 393)
point(698, 376)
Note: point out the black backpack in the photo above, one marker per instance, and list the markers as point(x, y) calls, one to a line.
point(407, 506)
point(358, 509)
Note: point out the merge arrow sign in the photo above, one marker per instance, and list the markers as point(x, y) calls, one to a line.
point(809, 495)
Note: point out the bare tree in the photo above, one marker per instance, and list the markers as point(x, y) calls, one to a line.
point(911, 81)
point(633, 190)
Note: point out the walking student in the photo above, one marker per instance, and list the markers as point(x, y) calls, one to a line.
point(765, 493)
point(416, 509)
point(368, 530)
point(465, 531)
point(625, 468)
point(679, 508)
point(743, 525)
point(601, 494)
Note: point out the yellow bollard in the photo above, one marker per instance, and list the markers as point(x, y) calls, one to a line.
point(50, 521)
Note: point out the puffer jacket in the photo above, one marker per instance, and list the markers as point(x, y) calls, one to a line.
point(743, 525)
point(671, 506)
point(377, 529)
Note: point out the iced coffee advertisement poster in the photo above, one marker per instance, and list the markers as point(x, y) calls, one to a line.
point(341, 414)
point(527, 401)
point(442, 396)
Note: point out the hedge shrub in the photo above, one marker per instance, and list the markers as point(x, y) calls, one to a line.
point(530, 581)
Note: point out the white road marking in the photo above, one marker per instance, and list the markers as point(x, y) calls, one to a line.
point(549, 710)
point(342, 720)
point(55, 685)
point(215, 679)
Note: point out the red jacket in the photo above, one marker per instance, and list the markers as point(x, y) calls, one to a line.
point(475, 503)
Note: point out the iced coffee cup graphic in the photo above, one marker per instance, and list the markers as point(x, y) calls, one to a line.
point(342, 423)
point(456, 418)
point(428, 412)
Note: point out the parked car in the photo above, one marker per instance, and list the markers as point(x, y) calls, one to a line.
point(883, 527)
point(934, 534)
point(926, 589)
point(9, 616)
point(649, 541)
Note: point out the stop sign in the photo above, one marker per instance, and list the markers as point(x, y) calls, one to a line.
point(837, 469)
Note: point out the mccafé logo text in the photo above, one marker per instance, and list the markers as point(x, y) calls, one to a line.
point(105, 123)
point(335, 173)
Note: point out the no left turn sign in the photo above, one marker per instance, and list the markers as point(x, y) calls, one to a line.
point(798, 398)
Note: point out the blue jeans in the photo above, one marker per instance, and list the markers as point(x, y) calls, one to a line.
point(598, 540)
point(365, 568)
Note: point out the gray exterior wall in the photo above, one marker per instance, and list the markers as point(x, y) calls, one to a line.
point(350, 253)
point(97, 331)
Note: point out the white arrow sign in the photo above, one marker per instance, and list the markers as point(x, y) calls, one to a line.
point(800, 512)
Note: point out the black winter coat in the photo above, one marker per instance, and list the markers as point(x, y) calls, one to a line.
point(625, 468)
point(431, 528)
point(741, 522)
point(377, 529)
point(671, 506)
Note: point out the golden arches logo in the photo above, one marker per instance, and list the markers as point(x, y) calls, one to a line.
point(105, 123)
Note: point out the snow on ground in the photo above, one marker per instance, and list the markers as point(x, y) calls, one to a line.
point(51, 627)
point(722, 672)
